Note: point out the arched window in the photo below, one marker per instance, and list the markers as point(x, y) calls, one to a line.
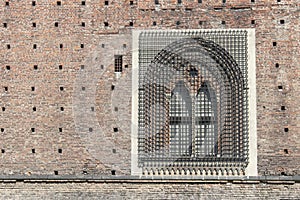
point(192, 103)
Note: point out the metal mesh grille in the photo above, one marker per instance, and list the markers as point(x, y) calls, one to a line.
point(192, 99)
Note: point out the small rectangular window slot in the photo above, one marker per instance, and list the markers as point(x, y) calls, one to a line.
point(34, 109)
point(130, 23)
point(2, 130)
point(59, 150)
point(83, 88)
point(33, 3)
point(282, 21)
point(282, 107)
point(116, 130)
point(3, 109)
point(286, 130)
point(156, 2)
point(35, 67)
point(61, 88)
point(83, 24)
point(56, 24)
point(92, 109)
point(286, 151)
point(113, 172)
point(106, 24)
point(7, 67)
point(280, 88)
point(116, 109)
point(2, 151)
point(90, 129)
point(34, 46)
point(82, 67)
point(276, 65)
point(82, 46)
point(252, 1)
point(61, 46)
point(154, 23)
point(8, 46)
point(32, 130)
point(33, 150)
point(223, 22)
point(131, 3)
point(112, 87)
point(106, 3)
point(274, 44)
point(32, 88)
point(83, 3)
point(7, 3)
point(33, 24)
point(114, 151)
point(118, 63)
point(58, 3)
point(252, 21)
point(199, 1)
point(5, 89)
point(62, 108)
point(5, 25)
point(60, 67)
point(55, 172)
point(60, 129)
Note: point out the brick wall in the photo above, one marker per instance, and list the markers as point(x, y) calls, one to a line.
point(59, 112)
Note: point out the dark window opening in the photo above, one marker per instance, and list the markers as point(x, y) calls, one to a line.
point(83, 3)
point(33, 3)
point(55, 172)
point(280, 87)
point(33, 150)
point(112, 87)
point(2, 129)
point(113, 172)
point(3, 109)
point(282, 107)
point(90, 129)
point(130, 23)
point(82, 66)
point(106, 24)
point(83, 24)
point(131, 3)
point(223, 22)
point(2, 151)
point(116, 129)
point(34, 109)
point(60, 129)
point(199, 1)
point(282, 21)
point(34, 46)
point(286, 129)
point(118, 63)
point(7, 3)
point(178, 23)
point(62, 109)
point(33, 130)
point(5, 25)
point(58, 3)
point(179, 1)
point(252, 1)
point(274, 44)
point(56, 24)
point(252, 21)
point(8, 46)
point(156, 2)
point(223, 1)
point(61, 46)
point(60, 67)
point(7, 67)
point(106, 3)
point(92, 109)
point(83, 88)
point(276, 65)
point(59, 150)
point(32, 88)
point(34, 24)
point(6, 89)
point(82, 46)
point(286, 151)
point(35, 67)
point(154, 23)
point(61, 88)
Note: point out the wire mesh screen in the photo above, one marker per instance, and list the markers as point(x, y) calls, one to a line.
point(192, 99)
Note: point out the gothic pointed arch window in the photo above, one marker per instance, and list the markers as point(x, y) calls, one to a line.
point(192, 103)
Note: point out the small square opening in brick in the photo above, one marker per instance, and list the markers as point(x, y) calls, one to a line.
point(34, 109)
point(252, 21)
point(59, 150)
point(130, 23)
point(33, 150)
point(32, 88)
point(7, 3)
point(7, 67)
point(286, 130)
point(2, 150)
point(102, 66)
point(102, 45)
point(33, 24)
point(106, 24)
point(282, 21)
point(156, 2)
point(280, 87)
point(34, 46)
point(83, 3)
point(92, 109)
point(82, 46)
point(282, 107)
point(60, 67)
point(131, 3)
point(286, 151)
point(5, 25)
point(177, 23)
point(55, 172)
point(90, 129)
point(113, 172)
point(154, 23)
point(61, 46)
point(8, 46)
point(83, 88)
point(82, 67)
point(112, 87)
point(60, 129)
point(276, 65)
point(33, 130)
point(274, 44)
point(116, 109)
point(223, 1)
point(84, 172)
point(116, 129)
point(83, 24)
point(2, 130)
point(58, 3)
point(61, 88)
point(62, 108)
point(33, 3)
point(252, 1)
point(5, 89)
point(35, 67)
point(56, 24)
point(223, 22)
point(106, 3)
point(3, 109)
point(114, 151)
